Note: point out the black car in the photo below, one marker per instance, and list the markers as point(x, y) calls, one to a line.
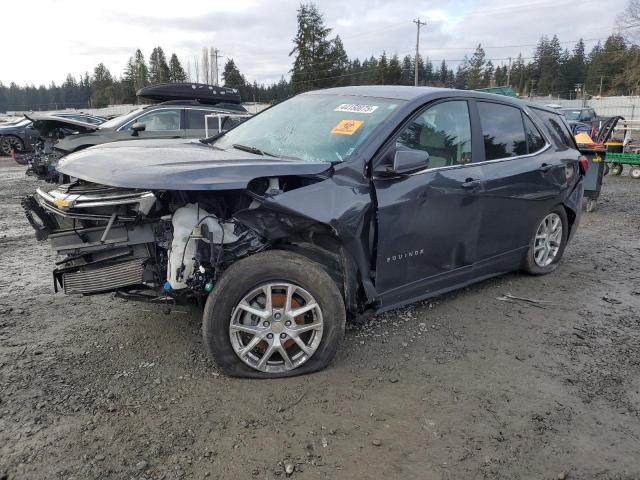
point(171, 119)
point(17, 135)
point(20, 136)
point(335, 203)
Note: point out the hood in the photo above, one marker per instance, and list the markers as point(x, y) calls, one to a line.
point(81, 140)
point(45, 123)
point(177, 165)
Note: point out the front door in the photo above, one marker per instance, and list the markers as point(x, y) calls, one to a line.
point(160, 123)
point(428, 221)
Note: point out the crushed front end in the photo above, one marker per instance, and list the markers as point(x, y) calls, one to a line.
point(138, 242)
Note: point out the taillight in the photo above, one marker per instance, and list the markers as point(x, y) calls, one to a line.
point(584, 164)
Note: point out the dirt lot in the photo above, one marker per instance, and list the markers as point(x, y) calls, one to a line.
point(467, 386)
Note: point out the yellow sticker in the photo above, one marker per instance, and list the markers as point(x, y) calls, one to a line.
point(347, 127)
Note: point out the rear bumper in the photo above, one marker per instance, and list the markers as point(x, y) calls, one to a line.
point(574, 203)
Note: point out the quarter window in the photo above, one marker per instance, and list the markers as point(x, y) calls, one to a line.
point(443, 131)
point(535, 140)
point(159, 120)
point(502, 130)
point(557, 127)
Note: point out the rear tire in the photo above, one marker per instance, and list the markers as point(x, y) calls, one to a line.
point(635, 172)
point(547, 244)
point(616, 169)
point(240, 326)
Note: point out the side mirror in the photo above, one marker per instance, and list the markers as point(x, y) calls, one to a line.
point(138, 127)
point(408, 161)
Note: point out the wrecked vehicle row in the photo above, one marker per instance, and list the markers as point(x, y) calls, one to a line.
point(180, 113)
point(331, 204)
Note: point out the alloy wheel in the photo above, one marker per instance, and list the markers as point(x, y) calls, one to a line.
point(276, 327)
point(10, 143)
point(548, 239)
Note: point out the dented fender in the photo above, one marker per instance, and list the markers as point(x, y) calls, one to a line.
point(342, 203)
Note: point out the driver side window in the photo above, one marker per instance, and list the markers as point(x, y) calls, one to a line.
point(443, 131)
point(159, 120)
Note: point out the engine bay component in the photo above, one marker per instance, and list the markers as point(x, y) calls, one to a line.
point(187, 224)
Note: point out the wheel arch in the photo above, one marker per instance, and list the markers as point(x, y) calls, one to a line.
point(320, 245)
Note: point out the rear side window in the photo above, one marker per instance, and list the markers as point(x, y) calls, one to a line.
point(557, 128)
point(502, 130)
point(195, 119)
point(535, 140)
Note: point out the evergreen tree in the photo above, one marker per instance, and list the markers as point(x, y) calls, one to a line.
point(312, 50)
point(381, 71)
point(158, 68)
point(461, 80)
point(407, 71)
point(488, 74)
point(476, 69)
point(137, 73)
point(101, 85)
point(69, 93)
point(232, 78)
point(339, 63)
point(394, 71)
point(176, 72)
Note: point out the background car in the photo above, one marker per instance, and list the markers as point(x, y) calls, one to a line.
point(17, 135)
point(582, 120)
point(20, 135)
point(172, 119)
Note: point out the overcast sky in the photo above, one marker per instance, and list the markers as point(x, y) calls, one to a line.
point(43, 40)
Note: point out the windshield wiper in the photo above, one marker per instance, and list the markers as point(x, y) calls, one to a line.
point(254, 150)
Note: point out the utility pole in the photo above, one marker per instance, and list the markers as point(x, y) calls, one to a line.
point(419, 24)
point(600, 92)
point(509, 73)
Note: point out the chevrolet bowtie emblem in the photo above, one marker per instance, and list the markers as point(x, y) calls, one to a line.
point(61, 202)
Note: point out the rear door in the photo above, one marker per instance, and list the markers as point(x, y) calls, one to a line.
point(522, 176)
point(428, 221)
point(195, 118)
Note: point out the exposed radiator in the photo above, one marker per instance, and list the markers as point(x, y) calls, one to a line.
point(106, 278)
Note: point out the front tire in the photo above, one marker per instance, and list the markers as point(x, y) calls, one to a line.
point(548, 242)
point(274, 314)
point(635, 172)
point(11, 142)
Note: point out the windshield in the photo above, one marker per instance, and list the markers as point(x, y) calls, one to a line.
point(571, 114)
point(121, 120)
point(324, 128)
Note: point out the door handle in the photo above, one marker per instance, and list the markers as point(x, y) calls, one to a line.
point(470, 184)
point(545, 167)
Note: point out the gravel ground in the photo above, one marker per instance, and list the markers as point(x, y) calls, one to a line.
point(468, 385)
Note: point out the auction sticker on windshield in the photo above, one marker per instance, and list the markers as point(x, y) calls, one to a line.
point(353, 108)
point(347, 127)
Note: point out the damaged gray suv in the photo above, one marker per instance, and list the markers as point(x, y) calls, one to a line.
point(332, 204)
